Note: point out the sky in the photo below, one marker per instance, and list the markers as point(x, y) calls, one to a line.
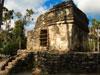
point(90, 7)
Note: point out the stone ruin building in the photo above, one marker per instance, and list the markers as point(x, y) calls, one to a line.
point(63, 28)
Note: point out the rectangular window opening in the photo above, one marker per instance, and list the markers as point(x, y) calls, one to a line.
point(43, 37)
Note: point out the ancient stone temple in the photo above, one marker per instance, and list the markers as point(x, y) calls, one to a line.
point(63, 28)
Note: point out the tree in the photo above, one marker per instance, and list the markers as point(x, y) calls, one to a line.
point(12, 41)
point(29, 13)
point(6, 42)
point(95, 39)
point(1, 11)
point(8, 15)
point(18, 15)
point(19, 26)
point(19, 33)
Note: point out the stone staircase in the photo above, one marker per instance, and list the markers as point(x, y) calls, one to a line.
point(7, 67)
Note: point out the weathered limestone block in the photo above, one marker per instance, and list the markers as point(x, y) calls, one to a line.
point(58, 37)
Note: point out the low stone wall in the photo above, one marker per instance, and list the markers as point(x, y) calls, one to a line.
point(71, 63)
point(60, 63)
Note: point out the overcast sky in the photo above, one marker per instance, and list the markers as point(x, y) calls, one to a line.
point(90, 7)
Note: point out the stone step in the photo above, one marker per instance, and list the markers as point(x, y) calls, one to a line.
point(4, 72)
point(11, 62)
point(9, 67)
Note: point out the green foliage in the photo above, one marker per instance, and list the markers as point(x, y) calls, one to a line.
point(95, 23)
point(11, 41)
point(18, 14)
point(6, 43)
point(8, 15)
point(19, 27)
point(19, 35)
point(29, 12)
point(94, 34)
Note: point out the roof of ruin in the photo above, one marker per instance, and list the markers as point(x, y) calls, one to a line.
point(78, 14)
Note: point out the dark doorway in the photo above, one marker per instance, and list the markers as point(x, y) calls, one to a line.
point(43, 37)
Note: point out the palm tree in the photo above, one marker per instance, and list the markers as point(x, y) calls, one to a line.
point(95, 33)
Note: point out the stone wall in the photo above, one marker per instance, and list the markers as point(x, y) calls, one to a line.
point(65, 31)
point(75, 63)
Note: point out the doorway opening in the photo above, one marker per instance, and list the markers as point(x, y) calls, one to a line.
point(43, 37)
